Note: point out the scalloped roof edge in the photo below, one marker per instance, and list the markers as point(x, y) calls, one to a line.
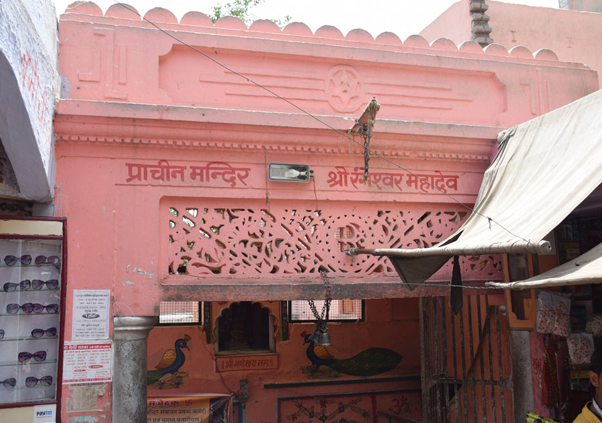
point(191, 19)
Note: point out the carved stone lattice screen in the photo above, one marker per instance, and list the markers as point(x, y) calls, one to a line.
point(217, 238)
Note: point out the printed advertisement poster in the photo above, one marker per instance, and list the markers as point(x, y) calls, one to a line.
point(188, 409)
point(91, 313)
point(87, 362)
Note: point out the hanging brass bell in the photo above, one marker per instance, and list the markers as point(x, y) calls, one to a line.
point(324, 339)
point(315, 336)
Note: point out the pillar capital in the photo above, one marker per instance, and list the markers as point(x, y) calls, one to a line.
point(132, 328)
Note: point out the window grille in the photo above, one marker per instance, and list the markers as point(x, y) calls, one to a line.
point(180, 313)
point(340, 311)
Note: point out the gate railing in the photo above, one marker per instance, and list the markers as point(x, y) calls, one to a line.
point(466, 369)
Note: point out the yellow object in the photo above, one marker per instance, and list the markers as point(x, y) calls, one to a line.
point(535, 418)
point(169, 357)
point(579, 374)
point(587, 416)
point(322, 352)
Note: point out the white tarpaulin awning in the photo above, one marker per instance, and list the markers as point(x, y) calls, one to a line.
point(543, 170)
point(585, 269)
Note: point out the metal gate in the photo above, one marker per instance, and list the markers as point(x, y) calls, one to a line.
point(466, 369)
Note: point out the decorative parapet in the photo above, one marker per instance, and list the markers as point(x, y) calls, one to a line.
point(480, 23)
point(198, 22)
point(326, 73)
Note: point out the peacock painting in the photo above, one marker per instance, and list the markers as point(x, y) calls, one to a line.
point(371, 362)
point(166, 374)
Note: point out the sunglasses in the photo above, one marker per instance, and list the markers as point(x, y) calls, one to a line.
point(27, 284)
point(25, 260)
point(24, 357)
point(38, 333)
point(31, 381)
point(9, 383)
point(28, 308)
point(47, 260)
point(12, 260)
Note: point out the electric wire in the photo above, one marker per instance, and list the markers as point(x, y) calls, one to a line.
point(371, 151)
point(218, 371)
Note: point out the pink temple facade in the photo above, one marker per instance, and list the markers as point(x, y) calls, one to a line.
point(162, 160)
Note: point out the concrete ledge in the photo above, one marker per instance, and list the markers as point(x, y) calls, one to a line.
point(181, 288)
point(203, 115)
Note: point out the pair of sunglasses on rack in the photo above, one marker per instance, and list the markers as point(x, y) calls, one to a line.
point(9, 383)
point(24, 357)
point(25, 260)
point(36, 333)
point(30, 382)
point(29, 308)
point(35, 284)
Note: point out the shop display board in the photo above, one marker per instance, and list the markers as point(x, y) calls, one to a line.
point(31, 306)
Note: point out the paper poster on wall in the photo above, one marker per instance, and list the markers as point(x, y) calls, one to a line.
point(91, 313)
point(45, 413)
point(87, 362)
point(190, 409)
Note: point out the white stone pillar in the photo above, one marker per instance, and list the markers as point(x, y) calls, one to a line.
point(129, 371)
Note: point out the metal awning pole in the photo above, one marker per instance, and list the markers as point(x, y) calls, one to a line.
point(540, 247)
point(545, 283)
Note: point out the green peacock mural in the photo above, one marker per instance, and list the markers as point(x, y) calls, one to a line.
point(371, 362)
point(166, 374)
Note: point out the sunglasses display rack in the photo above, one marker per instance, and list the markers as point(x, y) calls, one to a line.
point(30, 321)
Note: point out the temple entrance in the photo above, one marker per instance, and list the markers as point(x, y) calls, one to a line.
point(466, 373)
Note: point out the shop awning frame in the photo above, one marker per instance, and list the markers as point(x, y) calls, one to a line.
point(543, 170)
point(583, 270)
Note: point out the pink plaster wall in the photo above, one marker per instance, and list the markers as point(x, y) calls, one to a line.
point(572, 35)
point(454, 24)
point(130, 220)
point(385, 321)
point(117, 235)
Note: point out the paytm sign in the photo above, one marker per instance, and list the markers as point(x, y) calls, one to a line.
point(47, 413)
point(44, 413)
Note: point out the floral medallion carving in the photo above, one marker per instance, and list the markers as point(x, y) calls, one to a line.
point(344, 89)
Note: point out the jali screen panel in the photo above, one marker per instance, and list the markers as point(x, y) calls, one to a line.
point(208, 237)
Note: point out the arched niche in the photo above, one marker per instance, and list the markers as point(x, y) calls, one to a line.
point(245, 327)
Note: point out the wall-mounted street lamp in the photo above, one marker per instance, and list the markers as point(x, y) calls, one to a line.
point(287, 172)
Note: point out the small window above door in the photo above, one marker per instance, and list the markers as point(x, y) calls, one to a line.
point(245, 327)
